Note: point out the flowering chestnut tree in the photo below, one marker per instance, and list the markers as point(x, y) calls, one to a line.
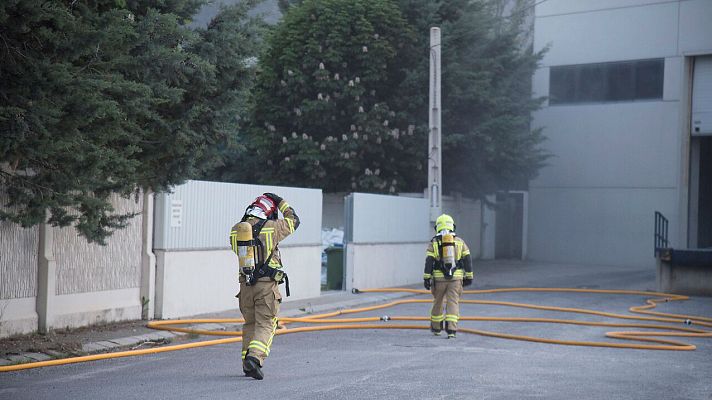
point(324, 112)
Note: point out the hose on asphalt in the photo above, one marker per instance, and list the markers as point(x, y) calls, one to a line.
point(326, 321)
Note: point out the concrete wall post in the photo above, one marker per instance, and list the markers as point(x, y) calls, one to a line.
point(46, 279)
point(148, 260)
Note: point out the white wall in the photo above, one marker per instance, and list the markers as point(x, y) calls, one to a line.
point(17, 316)
point(91, 308)
point(199, 282)
point(615, 34)
point(385, 265)
point(386, 242)
point(614, 164)
point(196, 272)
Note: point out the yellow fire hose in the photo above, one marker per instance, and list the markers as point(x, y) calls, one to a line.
point(327, 322)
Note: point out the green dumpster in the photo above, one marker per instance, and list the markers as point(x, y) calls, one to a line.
point(334, 268)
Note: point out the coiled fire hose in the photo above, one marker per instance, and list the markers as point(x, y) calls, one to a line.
point(652, 337)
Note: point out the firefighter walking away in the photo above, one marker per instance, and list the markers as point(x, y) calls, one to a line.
point(448, 268)
point(254, 239)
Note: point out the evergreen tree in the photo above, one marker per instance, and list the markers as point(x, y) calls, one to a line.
point(487, 65)
point(102, 97)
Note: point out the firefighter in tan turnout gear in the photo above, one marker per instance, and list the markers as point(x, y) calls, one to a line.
point(448, 268)
point(255, 240)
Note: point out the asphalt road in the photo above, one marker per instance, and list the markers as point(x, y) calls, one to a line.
point(407, 364)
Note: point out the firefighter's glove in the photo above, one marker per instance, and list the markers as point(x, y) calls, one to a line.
point(466, 282)
point(426, 284)
point(274, 198)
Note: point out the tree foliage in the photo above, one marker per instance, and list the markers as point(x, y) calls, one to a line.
point(487, 64)
point(102, 97)
point(326, 100)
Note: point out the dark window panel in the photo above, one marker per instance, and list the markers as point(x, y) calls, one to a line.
point(606, 82)
point(649, 79)
point(621, 82)
point(562, 85)
point(591, 83)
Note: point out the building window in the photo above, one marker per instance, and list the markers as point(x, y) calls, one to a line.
point(607, 82)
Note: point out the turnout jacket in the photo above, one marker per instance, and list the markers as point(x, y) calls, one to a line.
point(272, 232)
point(433, 262)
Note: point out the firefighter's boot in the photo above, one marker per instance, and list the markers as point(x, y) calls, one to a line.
point(252, 368)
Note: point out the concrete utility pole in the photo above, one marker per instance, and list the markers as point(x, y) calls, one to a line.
point(434, 122)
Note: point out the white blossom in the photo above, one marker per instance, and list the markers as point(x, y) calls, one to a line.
point(272, 128)
point(344, 137)
point(394, 182)
point(321, 65)
point(319, 96)
point(355, 135)
point(357, 79)
point(365, 137)
point(392, 113)
point(286, 159)
point(358, 97)
point(294, 135)
point(378, 140)
point(378, 171)
point(351, 83)
point(284, 139)
point(316, 162)
point(364, 49)
point(327, 98)
point(385, 123)
point(353, 185)
point(305, 136)
point(130, 17)
point(353, 127)
point(336, 76)
point(411, 128)
point(290, 72)
point(373, 92)
point(283, 82)
point(375, 36)
point(298, 111)
point(360, 109)
point(368, 172)
point(322, 147)
point(346, 156)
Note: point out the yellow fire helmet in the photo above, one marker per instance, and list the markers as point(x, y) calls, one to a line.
point(444, 222)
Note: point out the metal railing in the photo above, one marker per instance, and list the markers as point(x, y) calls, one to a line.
point(661, 232)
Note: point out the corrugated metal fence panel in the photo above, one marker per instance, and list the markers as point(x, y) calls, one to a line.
point(84, 267)
point(18, 259)
point(389, 219)
point(199, 214)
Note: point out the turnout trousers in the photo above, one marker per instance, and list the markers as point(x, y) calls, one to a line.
point(259, 305)
point(446, 291)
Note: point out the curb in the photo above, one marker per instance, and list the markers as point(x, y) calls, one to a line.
point(163, 337)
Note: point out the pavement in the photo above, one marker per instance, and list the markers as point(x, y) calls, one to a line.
point(139, 336)
point(490, 274)
point(413, 364)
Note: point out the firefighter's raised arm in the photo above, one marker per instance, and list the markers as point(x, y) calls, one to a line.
point(286, 226)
